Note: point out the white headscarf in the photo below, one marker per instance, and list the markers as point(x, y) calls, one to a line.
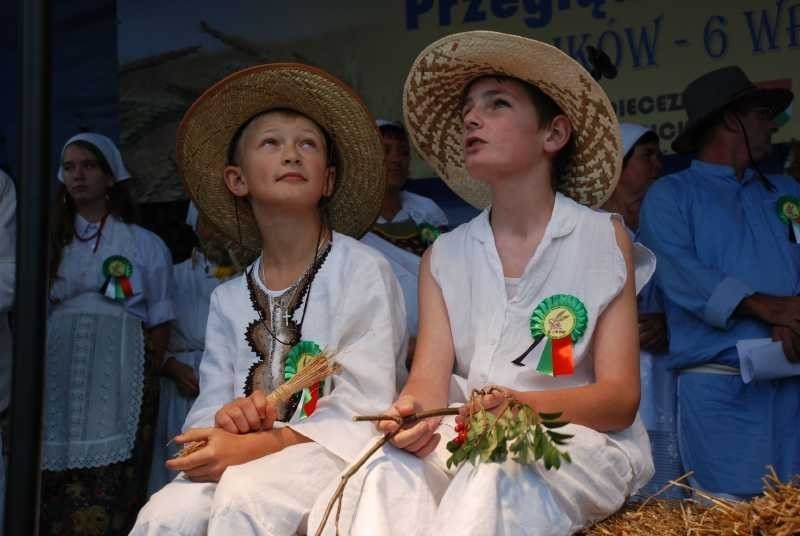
point(105, 146)
point(631, 133)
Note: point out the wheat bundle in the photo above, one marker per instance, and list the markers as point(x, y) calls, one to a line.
point(317, 369)
point(776, 512)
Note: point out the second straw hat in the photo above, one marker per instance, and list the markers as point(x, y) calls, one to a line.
point(442, 72)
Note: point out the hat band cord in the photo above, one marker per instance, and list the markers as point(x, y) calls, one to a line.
point(238, 224)
point(763, 178)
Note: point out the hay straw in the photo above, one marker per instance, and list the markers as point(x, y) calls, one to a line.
point(776, 512)
point(319, 368)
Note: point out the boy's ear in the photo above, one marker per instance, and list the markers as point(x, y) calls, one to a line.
point(330, 181)
point(234, 181)
point(558, 134)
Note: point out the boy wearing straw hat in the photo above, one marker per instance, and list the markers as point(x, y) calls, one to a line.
point(282, 158)
point(516, 123)
point(727, 239)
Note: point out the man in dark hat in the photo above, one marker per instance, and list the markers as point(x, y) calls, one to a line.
point(727, 239)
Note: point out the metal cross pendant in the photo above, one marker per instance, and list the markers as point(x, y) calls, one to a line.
point(287, 316)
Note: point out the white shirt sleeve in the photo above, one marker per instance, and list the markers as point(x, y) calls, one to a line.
point(158, 282)
point(217, 374)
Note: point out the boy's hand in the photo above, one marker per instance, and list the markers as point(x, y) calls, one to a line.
point(420, 438)
point(491, 399)
point(247, 414)
point(222, 449)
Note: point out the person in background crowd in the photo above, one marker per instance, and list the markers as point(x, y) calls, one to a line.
point(8, 235)
point(407, 225)
point(641, 166)
point(110, 313)
point(408, 220)
point(194, 281)
point(729, 269)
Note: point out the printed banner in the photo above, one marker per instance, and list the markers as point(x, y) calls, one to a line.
point(169, 53)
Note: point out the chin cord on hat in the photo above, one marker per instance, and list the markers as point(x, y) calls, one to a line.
point(764, 180)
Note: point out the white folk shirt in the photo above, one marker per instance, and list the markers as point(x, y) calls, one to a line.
point(578, 256)
point(80, 271)
point(355, 308)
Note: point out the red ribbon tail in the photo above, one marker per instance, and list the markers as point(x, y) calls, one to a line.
point(311, 405)
point(562, 356)
point(127, 288)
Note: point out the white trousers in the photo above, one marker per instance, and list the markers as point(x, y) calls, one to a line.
point(270, 496)
point(393, 494)
point(401, 494)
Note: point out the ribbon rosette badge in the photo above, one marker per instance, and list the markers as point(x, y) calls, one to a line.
point(117, 270)
point(428, 233)
point(789, 213)
point(562, 320)
point(301, 354)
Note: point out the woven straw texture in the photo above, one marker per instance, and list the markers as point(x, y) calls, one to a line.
point(432, 109)
point(208, 126)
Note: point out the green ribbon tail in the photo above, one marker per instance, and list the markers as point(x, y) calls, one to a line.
point(545, 365)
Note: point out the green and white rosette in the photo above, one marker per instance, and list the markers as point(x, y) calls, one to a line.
point(428, 233)
point(789, 213)
point(117, 270)
point(562, 320)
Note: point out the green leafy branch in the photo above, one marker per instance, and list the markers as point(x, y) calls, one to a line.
point(527, 435)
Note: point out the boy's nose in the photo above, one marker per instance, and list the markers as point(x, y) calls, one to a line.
point(471, 120)
point(291, 155)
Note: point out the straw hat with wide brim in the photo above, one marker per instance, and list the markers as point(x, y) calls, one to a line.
point(205, 134)
point(441, 73)
point(711, 93)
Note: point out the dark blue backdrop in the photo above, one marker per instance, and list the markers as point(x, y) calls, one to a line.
point(85, 89)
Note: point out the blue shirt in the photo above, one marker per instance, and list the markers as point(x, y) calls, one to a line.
point(717, 240)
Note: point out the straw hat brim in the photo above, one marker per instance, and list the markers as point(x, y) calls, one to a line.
point(205, 134)
point(777, 99)
point(432, 109)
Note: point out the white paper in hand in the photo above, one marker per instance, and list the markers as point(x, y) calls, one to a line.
point(763, 359)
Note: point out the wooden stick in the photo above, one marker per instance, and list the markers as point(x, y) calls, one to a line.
point(337, 495)
point(409, 419)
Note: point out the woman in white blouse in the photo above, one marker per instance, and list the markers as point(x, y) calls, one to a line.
point(111, 305)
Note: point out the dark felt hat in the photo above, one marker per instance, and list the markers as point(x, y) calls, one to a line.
point(711, 93)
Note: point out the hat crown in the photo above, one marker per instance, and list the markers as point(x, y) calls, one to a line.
point(714, 90)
